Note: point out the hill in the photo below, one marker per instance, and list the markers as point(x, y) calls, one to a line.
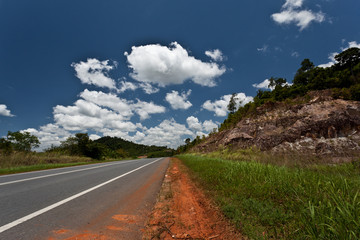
point(323, 127)
point(133, 149)
point(107, 148)
point(317, 115)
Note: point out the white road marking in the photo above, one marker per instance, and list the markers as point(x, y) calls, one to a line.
point(52, 169)
point(55, 174)
point(44, 210)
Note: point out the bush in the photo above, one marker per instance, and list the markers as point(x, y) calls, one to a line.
point(355, 92)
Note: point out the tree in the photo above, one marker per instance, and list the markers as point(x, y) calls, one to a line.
point(83, 141)
point(276, 82)
point(95, 150)
point(302, 74)
point(5, 146)
point(77, 145)
point(349, 58)
point(306, 65)
point(232, 104)
point(23, 141)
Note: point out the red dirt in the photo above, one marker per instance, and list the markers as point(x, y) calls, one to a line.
point(61, 231)
point(184, 212)
point(181, 212)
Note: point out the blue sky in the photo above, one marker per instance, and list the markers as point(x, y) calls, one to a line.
point(154, 72)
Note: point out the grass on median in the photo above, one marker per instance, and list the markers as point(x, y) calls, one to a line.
point(266, 201)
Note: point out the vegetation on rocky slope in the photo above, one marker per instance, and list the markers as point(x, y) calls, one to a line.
point(270, 167)
point(343, 78)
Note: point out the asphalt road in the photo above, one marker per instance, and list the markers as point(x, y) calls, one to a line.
point(99, 201)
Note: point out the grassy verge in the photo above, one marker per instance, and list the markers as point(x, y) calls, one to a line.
point(26, 162)
point(267, 201)
point(21, 169)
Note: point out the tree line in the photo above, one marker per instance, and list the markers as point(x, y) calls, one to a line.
point(81, 145)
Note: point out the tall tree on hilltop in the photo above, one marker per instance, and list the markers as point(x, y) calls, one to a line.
point(349, 58)
point(302, 74)
point(232, 104)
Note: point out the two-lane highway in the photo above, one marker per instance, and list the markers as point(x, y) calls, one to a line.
point(109, 200)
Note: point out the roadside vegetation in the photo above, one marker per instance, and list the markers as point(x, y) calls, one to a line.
point(342, 79)
point(17, 155)
point(288, 196)
point(268, 201)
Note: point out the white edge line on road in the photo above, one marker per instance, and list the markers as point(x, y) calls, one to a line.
point(44, 210)
point(53, 169)
point(61, 173)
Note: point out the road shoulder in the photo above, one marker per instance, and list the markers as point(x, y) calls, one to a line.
point(183, 211)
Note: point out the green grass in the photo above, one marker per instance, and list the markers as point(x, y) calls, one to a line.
point(21, 169)
point(26, 162)
point(267, 201)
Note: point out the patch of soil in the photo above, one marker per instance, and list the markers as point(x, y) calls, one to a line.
point(184, 212)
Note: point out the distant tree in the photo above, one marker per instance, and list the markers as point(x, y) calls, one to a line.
point(5, 146)
point(232, 104)
point(276, 82)
point(77, 145)
point(306, 65)
point(349, 58)
point(23, 141)
point(70, 146)
point(95, 150)
point(187, 141)
point(302, 74)
point(83, 141)
point(121, 153)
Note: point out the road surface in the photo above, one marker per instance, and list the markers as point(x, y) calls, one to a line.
point(98, 201)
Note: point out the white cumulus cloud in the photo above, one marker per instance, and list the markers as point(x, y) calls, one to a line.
point(178, 101)
point(167, 133)
point(263, 85)
point(353, 44)
point(124, 86)
point(219, 107)
point(48, 135)
point(201, 128)
point(148, 88)
point(94, 72)
point(4, 111)
point(215, 54)
point(170, 65)
point(209, 125)
point(123, 107)
point(290, 13)
point(194, 123)
point(144, 109)
point(99, 110)
point(108, 100)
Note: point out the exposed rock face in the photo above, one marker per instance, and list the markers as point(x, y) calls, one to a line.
point(323, 127)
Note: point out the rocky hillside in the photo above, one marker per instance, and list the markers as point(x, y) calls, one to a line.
point(320, 126)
